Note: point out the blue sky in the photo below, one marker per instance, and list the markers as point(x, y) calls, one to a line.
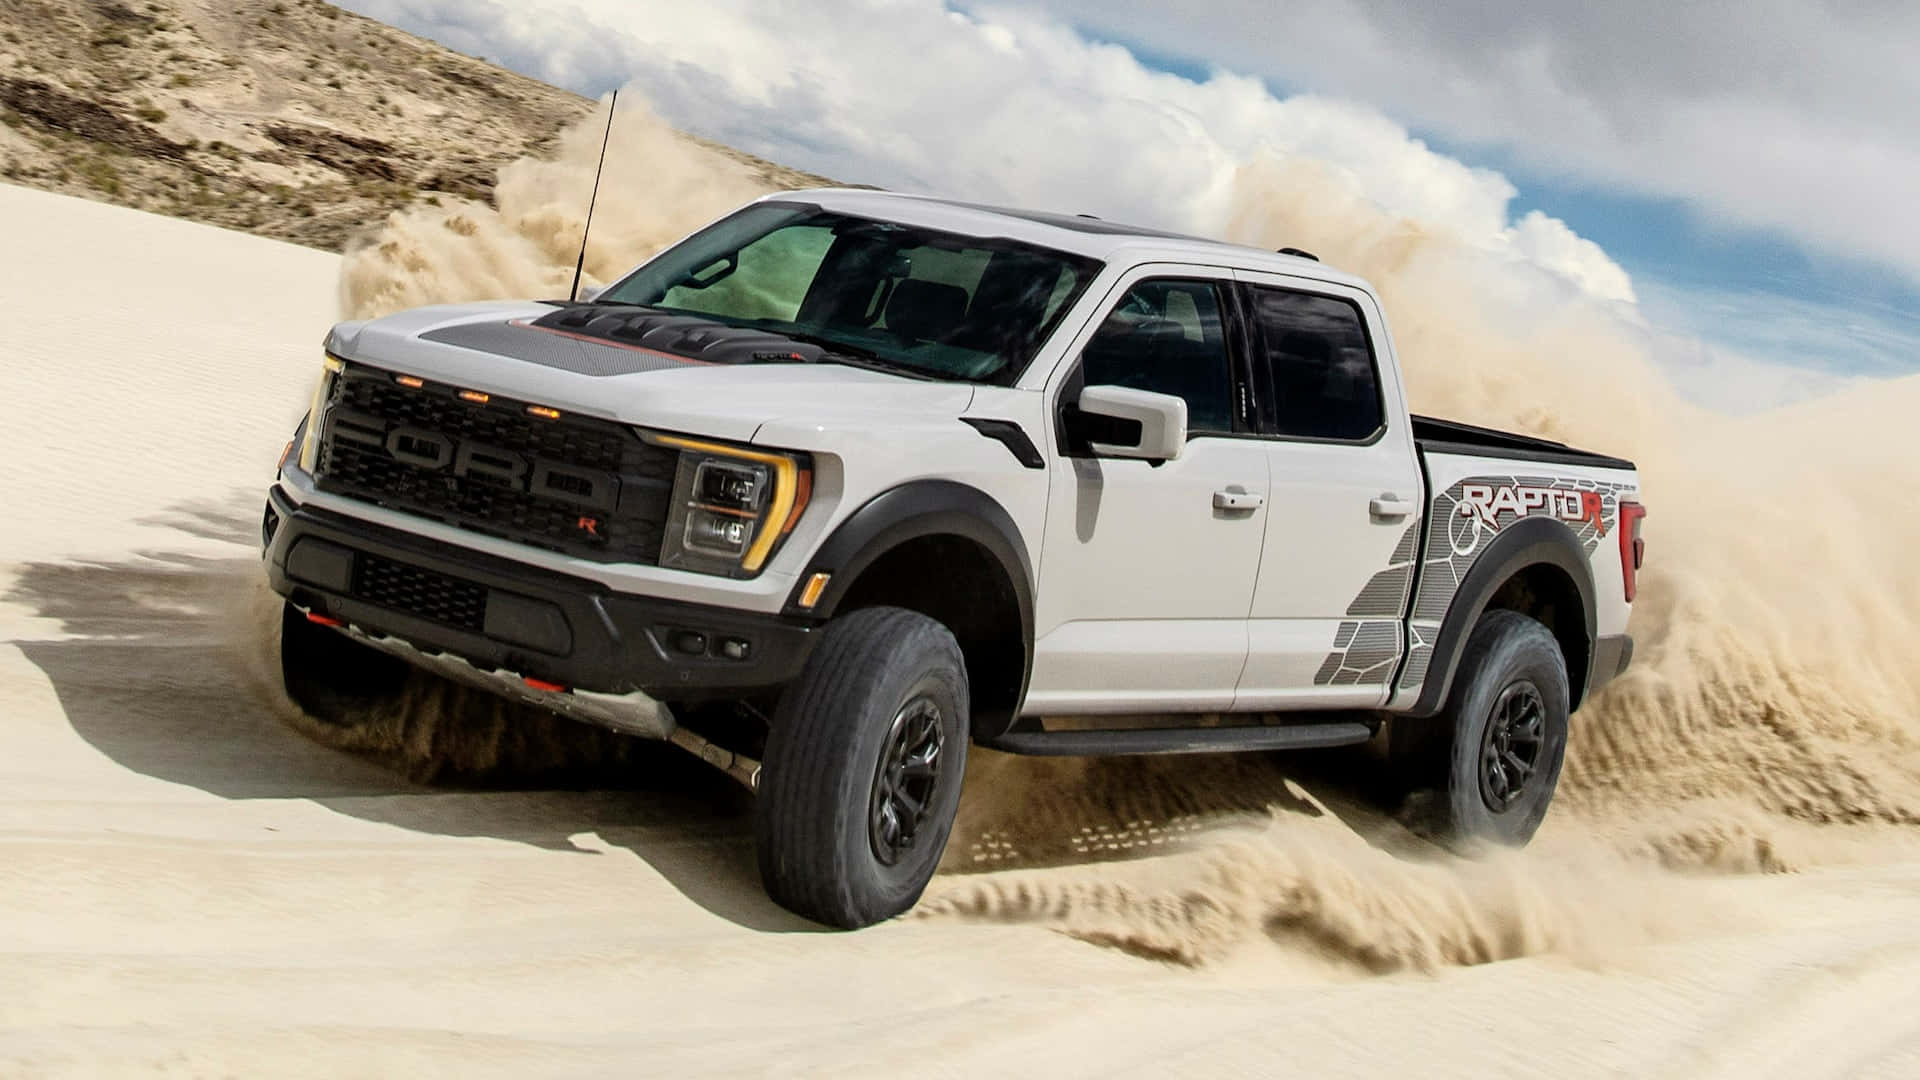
point(1754, 290)
point(1743, 163)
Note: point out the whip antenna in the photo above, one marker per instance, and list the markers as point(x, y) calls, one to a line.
point(580, 264)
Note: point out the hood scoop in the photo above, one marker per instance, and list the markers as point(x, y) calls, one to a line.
point(594, 339)
point(680, 335)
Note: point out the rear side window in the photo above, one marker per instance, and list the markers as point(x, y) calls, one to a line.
point(1321, 379)
point(1168, 337)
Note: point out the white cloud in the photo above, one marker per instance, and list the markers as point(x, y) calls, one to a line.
point(1550, 243)
point(997, 105)
point(1012, 105)
point(1778, 114)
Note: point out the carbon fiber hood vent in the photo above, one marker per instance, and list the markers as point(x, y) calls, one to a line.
point(591, 339)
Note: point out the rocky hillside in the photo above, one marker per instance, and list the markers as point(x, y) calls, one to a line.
point(288, 118)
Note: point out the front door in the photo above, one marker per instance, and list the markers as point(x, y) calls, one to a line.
point(1326, 625)
point(1146, 570)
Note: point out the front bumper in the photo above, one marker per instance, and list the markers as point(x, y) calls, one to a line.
point(496, 615)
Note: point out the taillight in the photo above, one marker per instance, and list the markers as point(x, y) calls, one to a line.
point(1633, 550)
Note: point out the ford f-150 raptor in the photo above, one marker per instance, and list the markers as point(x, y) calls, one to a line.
point(900, 475)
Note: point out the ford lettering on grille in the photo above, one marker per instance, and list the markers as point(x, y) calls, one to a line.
point(465, 460)
point(575, 484)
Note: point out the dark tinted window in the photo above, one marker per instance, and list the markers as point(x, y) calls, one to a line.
point(1323, 383)
point(1167, 336)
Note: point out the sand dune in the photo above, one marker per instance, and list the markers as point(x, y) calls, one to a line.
point(190, 887)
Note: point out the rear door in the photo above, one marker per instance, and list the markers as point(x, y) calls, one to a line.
point(1147, 570)
point(1325, 626)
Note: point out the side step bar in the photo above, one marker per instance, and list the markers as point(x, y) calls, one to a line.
point(1186, 740)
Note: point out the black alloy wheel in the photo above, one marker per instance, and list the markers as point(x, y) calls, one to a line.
point(1510, 747)
point(906, 780)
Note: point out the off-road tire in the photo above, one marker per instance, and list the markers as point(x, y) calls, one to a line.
point(332, 677)
point(818, 852)
point(1507, 657)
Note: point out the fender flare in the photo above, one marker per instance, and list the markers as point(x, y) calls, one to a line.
point(1531, 541)
point(910, 511)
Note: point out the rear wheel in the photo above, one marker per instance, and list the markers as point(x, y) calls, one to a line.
point(332, 677)
point(862, 772)
point(1494, 755)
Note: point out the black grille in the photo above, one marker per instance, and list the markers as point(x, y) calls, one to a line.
point(421, 593)
point(577, 485)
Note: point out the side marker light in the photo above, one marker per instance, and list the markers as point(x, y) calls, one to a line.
point(816, 585)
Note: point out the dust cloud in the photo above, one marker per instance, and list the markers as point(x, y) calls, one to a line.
point(435, 731)
point(1773, 695)
point(658, 187)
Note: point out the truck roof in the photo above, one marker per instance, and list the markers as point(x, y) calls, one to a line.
point(1080, 234)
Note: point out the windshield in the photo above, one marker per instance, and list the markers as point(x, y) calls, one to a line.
point(929, 303)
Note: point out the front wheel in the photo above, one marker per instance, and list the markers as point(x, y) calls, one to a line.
point(862, 772)
point(1507, 722)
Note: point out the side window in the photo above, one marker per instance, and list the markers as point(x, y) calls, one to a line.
point(1167, 336)
point(1321, 379)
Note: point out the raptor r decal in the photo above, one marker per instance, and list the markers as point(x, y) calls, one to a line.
point(1486, 502)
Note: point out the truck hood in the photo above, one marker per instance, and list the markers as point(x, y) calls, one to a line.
point(492, 347)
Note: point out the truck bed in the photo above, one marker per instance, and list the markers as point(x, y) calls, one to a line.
point(1436, 436)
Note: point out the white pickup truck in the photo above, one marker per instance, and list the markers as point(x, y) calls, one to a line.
point(886, 476)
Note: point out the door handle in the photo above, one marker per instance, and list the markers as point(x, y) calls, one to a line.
point(1389, 506)
point(1235, 497)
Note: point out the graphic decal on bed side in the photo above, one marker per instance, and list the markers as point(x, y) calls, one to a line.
point(1466, 517)
point(1462, 521)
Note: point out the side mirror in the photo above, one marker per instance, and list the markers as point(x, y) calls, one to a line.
point(1122, 422)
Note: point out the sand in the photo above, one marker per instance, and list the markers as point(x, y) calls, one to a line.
point(189, 887)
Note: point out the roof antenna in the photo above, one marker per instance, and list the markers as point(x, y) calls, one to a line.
point(580, 264)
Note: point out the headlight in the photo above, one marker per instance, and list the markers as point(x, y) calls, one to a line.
point(331, 365)
point(731, 505)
